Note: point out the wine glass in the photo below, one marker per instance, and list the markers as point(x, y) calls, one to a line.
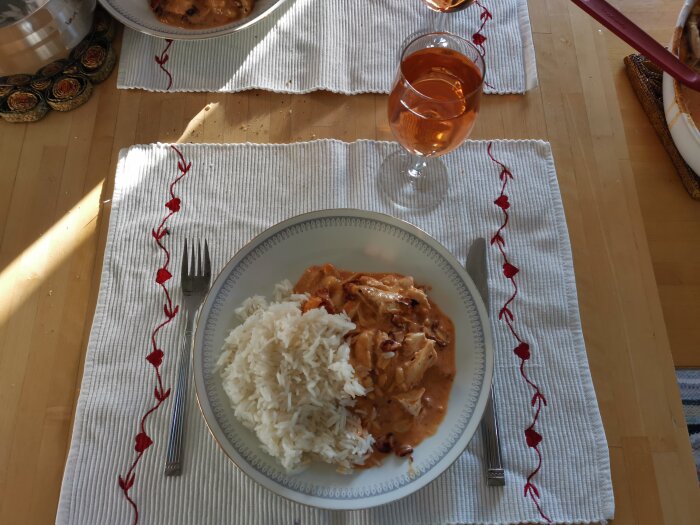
point(432, 109)
point(446, 6)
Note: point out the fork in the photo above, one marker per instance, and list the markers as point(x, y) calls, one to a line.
point(195, 285)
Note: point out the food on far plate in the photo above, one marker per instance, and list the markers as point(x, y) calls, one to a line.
point(689, 53)
point(200, 14)
point(345, 368)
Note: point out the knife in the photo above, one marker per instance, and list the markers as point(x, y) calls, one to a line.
point(477, 269)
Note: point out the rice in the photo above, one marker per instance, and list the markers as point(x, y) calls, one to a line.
point(289, 380)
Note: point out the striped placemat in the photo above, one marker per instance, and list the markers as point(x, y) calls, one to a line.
point(689, 383)
point(556, 455)
point(334, 45)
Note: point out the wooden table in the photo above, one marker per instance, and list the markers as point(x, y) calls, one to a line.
point(671, 219)
point(56, 179)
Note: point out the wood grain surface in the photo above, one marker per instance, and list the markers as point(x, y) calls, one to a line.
point(634, 232)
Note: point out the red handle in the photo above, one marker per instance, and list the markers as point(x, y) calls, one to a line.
point(628, 31)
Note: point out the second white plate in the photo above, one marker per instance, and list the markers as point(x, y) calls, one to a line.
point(360, 241)
point(137, 15)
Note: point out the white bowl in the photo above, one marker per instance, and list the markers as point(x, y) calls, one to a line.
point(137, 15)
point(357, 240)
point(684, 130)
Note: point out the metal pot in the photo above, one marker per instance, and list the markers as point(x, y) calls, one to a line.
point(45, 35)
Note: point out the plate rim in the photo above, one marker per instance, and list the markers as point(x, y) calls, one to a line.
point(479, 407)
point(195, 34)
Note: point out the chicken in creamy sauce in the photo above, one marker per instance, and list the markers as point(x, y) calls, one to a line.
point(199, 14)
point(402, 350)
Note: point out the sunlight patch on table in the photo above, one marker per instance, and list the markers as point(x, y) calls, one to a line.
point(194, 127)
point(26, 273)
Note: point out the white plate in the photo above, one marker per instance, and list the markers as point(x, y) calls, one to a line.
point(361, 241)
point(137, 14)
point(684, 130)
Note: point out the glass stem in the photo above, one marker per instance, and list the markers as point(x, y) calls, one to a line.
point(415, 172)
point(441, 22)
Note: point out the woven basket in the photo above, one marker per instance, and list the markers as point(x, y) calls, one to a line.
point(646, 80)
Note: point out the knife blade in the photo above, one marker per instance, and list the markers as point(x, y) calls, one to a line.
point(477, 268)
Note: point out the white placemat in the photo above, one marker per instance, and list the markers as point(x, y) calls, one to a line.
point(228, 194)
point(344, 46)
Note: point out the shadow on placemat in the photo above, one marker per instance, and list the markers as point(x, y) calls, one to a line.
point(646, 79)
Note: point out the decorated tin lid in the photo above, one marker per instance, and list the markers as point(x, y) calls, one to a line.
point(66, 88)
point(68, 92)
point(94, 56)
point(23, 105)
point(22, 100)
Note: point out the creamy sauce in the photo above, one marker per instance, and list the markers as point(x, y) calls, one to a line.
point(200, 14)
point(403, 351)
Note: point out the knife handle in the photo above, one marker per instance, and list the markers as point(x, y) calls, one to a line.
point(495, 475)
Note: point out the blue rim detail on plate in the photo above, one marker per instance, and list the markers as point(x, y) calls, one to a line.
point(212, 379)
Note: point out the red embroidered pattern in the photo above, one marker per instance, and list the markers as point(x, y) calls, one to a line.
point(479, 38)
point(155, 357)
point(163, 59)
point(522, 350)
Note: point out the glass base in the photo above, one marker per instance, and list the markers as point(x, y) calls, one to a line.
point(408, 192)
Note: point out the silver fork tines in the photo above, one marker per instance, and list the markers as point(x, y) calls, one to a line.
point(195, 282)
